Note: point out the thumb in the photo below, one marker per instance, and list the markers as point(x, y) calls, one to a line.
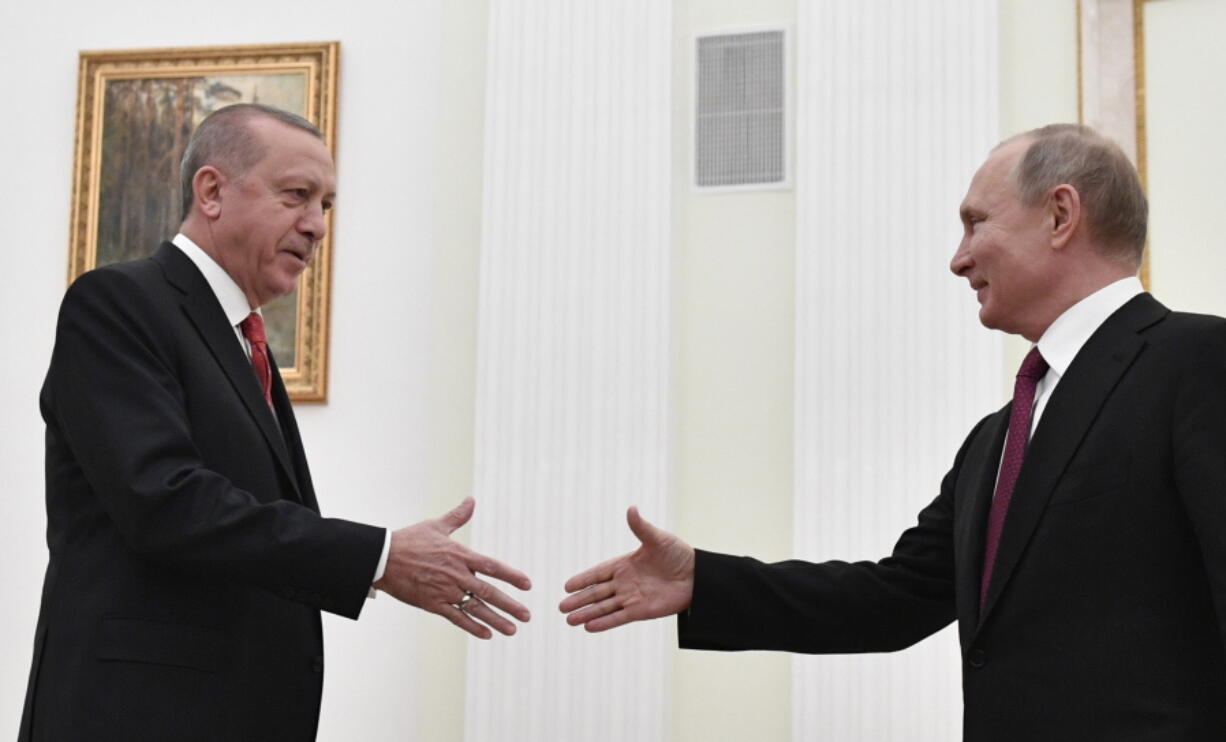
point(458, 516)
point(645, 532)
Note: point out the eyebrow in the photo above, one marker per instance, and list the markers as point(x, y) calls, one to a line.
point(307, 182)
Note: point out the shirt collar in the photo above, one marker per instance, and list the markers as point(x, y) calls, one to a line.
point(1064, 337)
point(233, 301)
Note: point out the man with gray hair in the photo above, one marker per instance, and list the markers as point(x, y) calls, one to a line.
point(188, 557)
point(1079, 538)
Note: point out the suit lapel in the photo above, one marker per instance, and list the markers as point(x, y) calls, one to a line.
point(201, 307)
point(1072, 409)
point(291, 438)
point(980, 482)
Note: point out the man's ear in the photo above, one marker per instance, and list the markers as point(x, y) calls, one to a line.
point(1064, 212)
point(206, 186)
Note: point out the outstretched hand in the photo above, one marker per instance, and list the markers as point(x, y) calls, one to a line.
point(655, 580)
point(427, 569)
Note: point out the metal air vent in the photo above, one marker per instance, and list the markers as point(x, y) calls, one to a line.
point(740, 110)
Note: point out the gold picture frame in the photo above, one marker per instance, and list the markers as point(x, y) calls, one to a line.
point(135, 109)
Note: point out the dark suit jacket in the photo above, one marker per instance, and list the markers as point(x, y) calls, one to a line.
point(1105, 616)
point(188, 559)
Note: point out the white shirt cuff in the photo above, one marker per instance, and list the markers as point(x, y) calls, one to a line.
point(387, 546)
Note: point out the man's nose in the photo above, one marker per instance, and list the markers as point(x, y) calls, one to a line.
point(313, 223)
point(961, 261)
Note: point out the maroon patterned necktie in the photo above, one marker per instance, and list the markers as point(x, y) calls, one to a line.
point(253, 330)
point(1033, 368)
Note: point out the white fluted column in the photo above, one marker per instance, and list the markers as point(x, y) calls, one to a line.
point(573, 416)
point(897, 106)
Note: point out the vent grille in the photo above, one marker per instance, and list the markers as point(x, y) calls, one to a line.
point(740, 134)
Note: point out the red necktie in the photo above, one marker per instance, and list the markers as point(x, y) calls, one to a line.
point(1033, 368)
point(253, 330)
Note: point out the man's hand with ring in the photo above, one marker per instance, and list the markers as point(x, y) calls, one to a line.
point(427, 569)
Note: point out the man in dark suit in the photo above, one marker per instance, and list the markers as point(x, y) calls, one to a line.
point(1086, 566)
point(188, 558)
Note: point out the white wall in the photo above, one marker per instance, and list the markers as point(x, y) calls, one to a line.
point(394, 443)
point(1185, 118)
point(735, 256)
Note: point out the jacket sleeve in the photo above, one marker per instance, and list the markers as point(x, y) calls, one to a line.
point(114, 398)
point(832, 607)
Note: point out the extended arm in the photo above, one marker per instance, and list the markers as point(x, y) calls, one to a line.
point(731, 603)
point(117, 407)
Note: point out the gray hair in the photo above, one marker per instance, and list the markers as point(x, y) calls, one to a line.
point(224, 141)
point(1111, 194)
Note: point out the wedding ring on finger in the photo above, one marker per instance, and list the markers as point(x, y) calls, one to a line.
point(462, 605)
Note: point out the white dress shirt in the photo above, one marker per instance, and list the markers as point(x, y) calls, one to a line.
point(235, 306)
point(1064, 338)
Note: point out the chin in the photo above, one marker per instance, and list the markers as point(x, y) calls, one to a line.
point(279, 290)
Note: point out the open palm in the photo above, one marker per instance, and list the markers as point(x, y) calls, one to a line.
point(655, 580)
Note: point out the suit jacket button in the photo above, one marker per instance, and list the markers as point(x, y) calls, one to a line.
point(317, 663)
point(976, 658)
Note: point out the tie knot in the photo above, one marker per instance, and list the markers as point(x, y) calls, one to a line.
point(1033, 366)
point(253, 329)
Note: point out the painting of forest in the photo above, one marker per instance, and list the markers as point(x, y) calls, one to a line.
point(146, 123)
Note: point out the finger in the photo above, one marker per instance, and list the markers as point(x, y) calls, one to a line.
point(602, 572)
point(494, 568)
point(643, 531)
point(610, 621)
point(458, 516)
point(484, 613)
point(594, 611)
point(495, 597)
point(464, 621)
point(586, 597)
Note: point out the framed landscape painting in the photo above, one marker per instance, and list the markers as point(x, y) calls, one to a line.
point(135, 112)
